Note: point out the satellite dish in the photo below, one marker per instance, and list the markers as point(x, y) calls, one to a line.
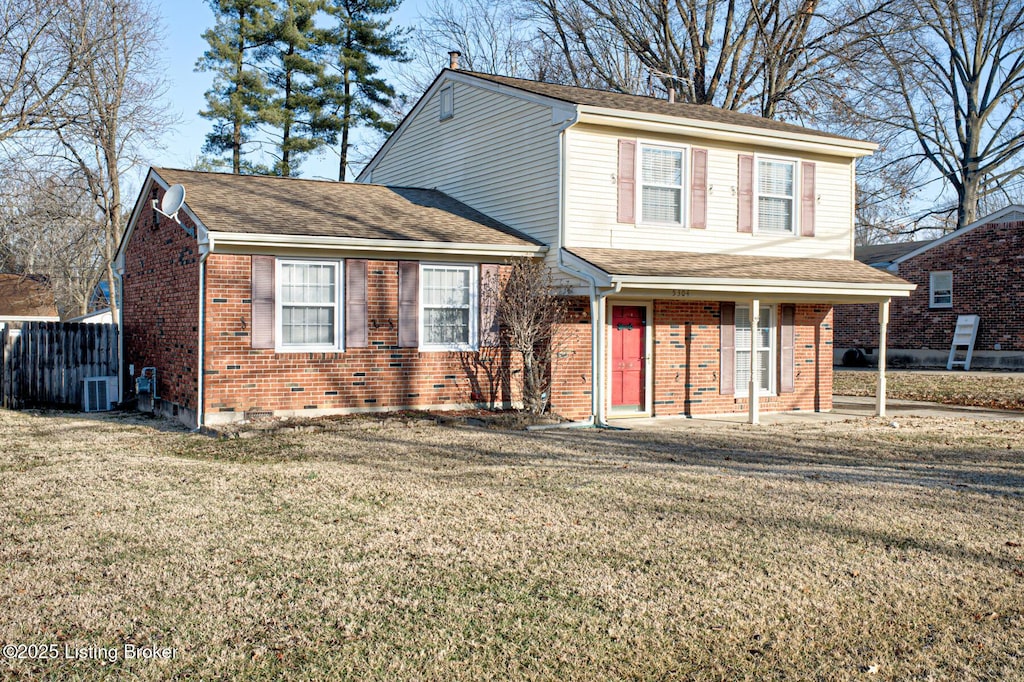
point(174, 197)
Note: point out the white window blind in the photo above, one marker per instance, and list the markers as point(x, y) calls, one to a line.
point(765, 350)
point(448, 301)
point(775, 195)
point(942, 289)
point(662, 179)
point(309, 304)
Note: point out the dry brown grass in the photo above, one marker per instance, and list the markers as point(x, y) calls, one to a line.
point(1001, 391)
point(700, 551)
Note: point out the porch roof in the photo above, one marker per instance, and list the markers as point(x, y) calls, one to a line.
point(833, 279)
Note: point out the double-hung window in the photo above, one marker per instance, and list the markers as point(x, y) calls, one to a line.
point(764, 360)
point(308, 305)
point(941, 293)
point(661, 178)
point(448, 307)
point(776, 195)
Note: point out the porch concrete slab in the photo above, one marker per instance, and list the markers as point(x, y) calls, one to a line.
point(844, 407)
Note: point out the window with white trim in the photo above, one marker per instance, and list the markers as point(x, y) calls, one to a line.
point(941, 289)
point(447, 102)
point(449, 307)
point(308, 296)
point(776, 195)
point(661, 179)
point(765, 358)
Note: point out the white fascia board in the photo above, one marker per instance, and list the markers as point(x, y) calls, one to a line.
point(229, 242)
point(602, 278)
point(764, 287)
point(991, 218)
point(29, 318)
point(725, 132)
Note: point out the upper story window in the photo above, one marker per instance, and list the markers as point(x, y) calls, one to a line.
point(776, 195)
point(308, 305)
point(447, 97)
point(661, 179)
point(941, 294)
point(449, 311)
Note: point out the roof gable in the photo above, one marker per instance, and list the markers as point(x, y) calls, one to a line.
point(1007, 214)
point(26, 296)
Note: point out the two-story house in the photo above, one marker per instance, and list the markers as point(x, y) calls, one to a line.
point(703, 249)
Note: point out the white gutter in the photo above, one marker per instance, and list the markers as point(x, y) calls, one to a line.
point(683, 286)
point(596, 417)
point(725, 132)
point(205, 247)
point(279, 241)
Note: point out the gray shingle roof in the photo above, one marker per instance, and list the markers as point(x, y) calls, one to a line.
point(321, 208)
point(886, 253)
point(713, 266)
point(652, 105)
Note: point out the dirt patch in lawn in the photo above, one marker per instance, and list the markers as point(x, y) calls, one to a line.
point(998, 391)
point(427, 551)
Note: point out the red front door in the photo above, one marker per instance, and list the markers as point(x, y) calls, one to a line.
point(628, 356)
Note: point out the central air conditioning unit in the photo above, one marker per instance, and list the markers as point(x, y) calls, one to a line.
point(99, 393)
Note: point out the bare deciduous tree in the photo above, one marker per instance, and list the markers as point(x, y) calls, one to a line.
point(950, 77)
point(43, 45)
point(119, 109)
point(530, 304)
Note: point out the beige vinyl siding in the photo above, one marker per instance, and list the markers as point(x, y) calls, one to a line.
point(591, 202)
point(498, 154)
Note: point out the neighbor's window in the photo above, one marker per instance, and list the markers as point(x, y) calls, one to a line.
point(308, 305)
point(941, 289)
point(447, 101)
point(776, 192)
point(765, 359)
point(661, 176)
point(448, 307)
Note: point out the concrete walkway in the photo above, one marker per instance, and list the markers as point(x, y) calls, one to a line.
point(844, 407)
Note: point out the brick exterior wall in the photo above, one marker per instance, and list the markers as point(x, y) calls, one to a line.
point(571, 362)
point(161, 304)
point(686, 363)
point(988, 280)
point(239, 379)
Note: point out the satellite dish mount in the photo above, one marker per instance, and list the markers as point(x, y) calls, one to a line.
point(172, 202)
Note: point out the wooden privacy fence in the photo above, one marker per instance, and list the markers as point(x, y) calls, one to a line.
point(42, 364)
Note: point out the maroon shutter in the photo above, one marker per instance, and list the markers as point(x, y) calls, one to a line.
point(699, 189)
point(728, 349)
point(807, 200)
point(787, 354)
point(627, 181)
point(262, 302)
point(408, 304)
point(355, 303)
point(745, 194)
point(490, 332)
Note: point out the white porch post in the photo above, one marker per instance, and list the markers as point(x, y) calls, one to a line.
point(883, 324)
point(753, 393)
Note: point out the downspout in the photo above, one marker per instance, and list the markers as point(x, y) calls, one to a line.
point(119, 274)
point(204, 253)
point(596, 417)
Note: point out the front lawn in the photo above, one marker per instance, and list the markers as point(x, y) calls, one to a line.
point(397, 551)
point(1000, 391)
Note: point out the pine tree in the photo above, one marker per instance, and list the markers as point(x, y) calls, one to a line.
point(295, 64)
point(239, 88)
point(356, 92)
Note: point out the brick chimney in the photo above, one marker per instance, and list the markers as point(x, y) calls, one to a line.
point(453, 60)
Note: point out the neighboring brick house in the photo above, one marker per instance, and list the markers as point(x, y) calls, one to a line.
point(26, 298)
point(677, 228)
point(978, 269)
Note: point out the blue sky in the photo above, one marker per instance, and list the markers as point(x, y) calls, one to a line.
point(184, 22)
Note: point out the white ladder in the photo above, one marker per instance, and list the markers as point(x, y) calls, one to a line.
point(965, 334)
